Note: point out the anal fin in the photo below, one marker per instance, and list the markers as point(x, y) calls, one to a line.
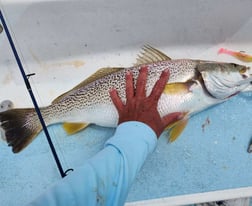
point(72, 128)
point(176, 129)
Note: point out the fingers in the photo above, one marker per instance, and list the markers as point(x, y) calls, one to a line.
point(172, 118)
point(141, 81)
point(116, 100)
point(160, 85)
point(129, 86)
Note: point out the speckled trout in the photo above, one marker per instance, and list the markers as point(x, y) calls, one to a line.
point(193, 86)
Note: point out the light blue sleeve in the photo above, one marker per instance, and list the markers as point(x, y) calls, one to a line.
point(105, 179)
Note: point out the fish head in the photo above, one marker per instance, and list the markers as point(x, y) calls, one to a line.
point(223, 80)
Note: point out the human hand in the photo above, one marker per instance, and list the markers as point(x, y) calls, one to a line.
point(140, 108)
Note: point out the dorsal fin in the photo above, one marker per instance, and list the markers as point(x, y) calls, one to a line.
point(97, 75)
point(150, 55)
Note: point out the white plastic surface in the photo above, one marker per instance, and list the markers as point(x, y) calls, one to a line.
point(63, 42)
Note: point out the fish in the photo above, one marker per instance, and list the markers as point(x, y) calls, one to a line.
point(238, 55)
point(193, 85)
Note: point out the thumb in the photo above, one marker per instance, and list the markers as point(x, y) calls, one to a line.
point(172, 118)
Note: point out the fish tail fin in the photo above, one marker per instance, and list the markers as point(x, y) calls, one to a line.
point(21, 126)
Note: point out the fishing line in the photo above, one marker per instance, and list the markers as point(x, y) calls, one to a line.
point(28, 86)
point(30, 74)
point(52, 130)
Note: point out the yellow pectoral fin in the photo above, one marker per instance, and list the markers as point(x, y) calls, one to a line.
point(177, 88)
point(177, 129)
point(72, 128)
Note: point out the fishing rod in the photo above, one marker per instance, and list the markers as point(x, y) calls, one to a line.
point(28, 86)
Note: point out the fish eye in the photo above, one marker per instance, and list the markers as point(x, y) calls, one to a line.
point(243, 70)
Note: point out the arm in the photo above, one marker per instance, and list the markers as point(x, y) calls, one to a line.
point(106, 178)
